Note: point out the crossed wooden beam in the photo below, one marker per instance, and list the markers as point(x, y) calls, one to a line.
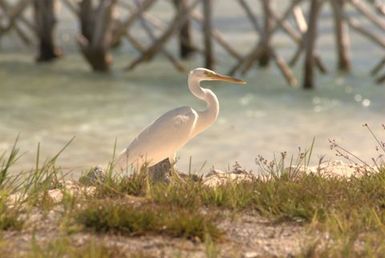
point(13, 15)
point(305, 34)
point(302, 33)
point(137, 13)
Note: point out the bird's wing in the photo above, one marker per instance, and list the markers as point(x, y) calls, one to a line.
point(163, 137)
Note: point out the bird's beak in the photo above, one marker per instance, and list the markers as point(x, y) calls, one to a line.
point(225, 78)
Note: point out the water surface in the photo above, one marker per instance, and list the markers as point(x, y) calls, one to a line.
point(49, 104)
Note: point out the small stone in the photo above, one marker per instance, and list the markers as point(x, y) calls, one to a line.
point(218, 179)
point(56, 195)
point(250, 255)
point(214, 171)
point(94, 176)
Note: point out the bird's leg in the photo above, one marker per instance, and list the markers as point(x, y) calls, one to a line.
point(172, 160)
point(160, 171)
point(173, 171)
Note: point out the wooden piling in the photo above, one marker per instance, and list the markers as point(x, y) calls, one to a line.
point(342, 36)
point(45, 21)
point(186, 47)
point(310, 41)
point(265, 41)
point(95, 38)
point(207, 28)
point(99, 31)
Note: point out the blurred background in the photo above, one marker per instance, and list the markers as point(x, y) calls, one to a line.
point(102, 70)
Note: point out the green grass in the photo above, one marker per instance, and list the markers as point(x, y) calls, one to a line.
point(9, 213)
point(351, 211)
point(119, 216)
point(62, 247)
point(10, 217)
point(346, 247)
point(306, 197)
point(27, 189)
point(114, 185)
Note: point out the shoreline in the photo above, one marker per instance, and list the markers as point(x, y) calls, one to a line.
point(59, 217)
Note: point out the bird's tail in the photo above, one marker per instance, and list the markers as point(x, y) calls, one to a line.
point(122, 163)
point(126, 163)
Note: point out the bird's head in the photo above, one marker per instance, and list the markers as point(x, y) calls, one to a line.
point(203, 74)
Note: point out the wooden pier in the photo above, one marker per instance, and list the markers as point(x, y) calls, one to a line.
point(101, 29)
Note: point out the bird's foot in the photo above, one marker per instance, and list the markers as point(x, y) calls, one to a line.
point(165, 172)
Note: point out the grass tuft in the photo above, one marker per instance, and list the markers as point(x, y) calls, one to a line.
point(10, 218)
point(114, 185)
point(350, 211)
point(63, 247)
point(123, 217)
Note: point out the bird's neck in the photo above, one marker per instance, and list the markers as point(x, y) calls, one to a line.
point(210, 114)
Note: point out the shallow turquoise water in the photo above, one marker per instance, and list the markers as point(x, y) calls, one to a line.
point(52, 103)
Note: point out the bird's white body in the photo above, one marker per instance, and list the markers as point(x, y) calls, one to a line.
point(171, 131)
point(153, 145)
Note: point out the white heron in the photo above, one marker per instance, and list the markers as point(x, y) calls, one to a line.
point(171, 131)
